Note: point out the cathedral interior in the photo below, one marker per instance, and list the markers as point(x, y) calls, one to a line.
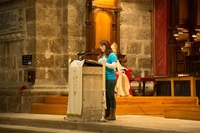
point(38, 40)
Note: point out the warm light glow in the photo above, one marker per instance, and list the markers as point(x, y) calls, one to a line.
point(102, 28)
point(105, 2)
point(197, 35)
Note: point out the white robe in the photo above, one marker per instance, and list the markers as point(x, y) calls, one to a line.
point(75, 88)
point(123, 84)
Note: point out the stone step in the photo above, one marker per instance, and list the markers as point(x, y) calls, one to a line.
point(4, 128)
point(22, 122)
point(123, 124)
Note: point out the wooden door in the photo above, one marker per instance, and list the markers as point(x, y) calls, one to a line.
point(103, 28)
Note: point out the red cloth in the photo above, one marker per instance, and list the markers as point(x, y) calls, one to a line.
point(128, 74)
point(161, 27)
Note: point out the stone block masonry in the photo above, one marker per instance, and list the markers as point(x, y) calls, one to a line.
point(55, 32)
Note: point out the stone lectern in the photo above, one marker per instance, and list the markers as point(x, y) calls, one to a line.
point(91, 94)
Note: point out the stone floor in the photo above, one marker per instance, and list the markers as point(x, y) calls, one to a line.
point(124, 123)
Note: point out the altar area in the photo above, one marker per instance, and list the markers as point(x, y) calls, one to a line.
point(172, 98)
point(185, 106)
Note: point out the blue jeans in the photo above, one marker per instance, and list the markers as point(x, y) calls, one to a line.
point(110, 93)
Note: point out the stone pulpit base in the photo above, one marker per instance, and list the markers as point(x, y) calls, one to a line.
point(92, 95)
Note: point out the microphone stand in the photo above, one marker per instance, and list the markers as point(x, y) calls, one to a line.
point(82, 55)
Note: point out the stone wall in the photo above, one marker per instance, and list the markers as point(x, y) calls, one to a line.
point(51, 46)
point(76, 27)
point(13, 75)
point(55, 32)
point(47, 38)
point(11, 52)
point(135, 35)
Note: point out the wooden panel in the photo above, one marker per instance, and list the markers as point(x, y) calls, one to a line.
point(163, 88)
point(180, 62)
point(183, 12)
point(40, 108)
point(174, 19)
point(188, 114)
point(197, 84)
point(182, 88)
point(56, 99)
point(103, 28)
point(181, 106)
point(153, 105)
point(198, 13)
point(139, 111)
point(180, 67)
point(158, 100)
point(150, 109)
point(173, 81)
point(193, 64)
point(180, 57)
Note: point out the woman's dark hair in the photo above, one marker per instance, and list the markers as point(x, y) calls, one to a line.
point(108, 47)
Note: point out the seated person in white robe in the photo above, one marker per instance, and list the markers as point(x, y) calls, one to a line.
point(123, 84)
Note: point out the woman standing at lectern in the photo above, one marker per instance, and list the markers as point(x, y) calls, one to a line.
point(111, 64)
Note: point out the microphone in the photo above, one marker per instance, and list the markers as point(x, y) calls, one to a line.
point(81, 55)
